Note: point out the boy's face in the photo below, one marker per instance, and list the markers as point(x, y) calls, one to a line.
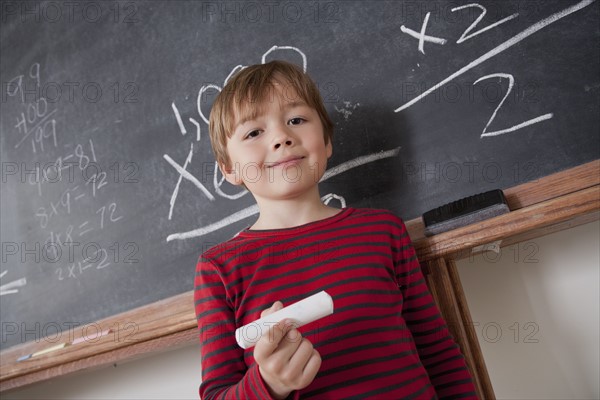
point(281, 153)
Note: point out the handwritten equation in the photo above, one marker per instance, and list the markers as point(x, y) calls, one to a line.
point(469, 34)
point(53, 162)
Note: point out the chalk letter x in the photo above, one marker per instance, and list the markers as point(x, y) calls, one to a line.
point(421, 35)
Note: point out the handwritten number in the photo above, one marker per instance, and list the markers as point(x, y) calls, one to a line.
point(511, 82)
point(464, 36)
point(112, 207)
point(103, 263)
point(95, 178)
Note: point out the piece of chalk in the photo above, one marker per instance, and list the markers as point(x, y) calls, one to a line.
point(48, 350)
point(300, 313)
point(23, 358)
point(89, 338)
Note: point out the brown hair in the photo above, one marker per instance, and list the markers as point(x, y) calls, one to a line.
point(243, 93)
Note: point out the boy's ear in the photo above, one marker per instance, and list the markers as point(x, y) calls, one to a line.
point(329, 149)
point(232, 175)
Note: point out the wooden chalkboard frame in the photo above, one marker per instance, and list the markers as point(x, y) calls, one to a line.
point(556, 202)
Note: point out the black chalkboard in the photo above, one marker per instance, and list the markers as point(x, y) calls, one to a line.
point(114, 95)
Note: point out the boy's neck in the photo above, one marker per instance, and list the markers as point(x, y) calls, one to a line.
point(281, 214)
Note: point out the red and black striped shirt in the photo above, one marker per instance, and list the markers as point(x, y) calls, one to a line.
point(386, 338)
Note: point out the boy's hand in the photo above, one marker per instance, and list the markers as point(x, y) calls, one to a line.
point(286, 360)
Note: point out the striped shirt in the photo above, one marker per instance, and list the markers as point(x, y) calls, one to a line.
point(386, 338)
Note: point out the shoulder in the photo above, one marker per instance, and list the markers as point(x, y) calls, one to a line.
point(381, 220)
point(379, 216)
point(223, 258)
point(219, 251)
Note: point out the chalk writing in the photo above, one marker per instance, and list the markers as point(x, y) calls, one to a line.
point(183, 173)
point(178, 117)
point(280, 48)
point(331, 196)
point(465, 36)
point(96, 257)
point(500, 48)
point(38, 123)
point(511, 82)
point(11, 287)
point(492, 53)
point(421, 35)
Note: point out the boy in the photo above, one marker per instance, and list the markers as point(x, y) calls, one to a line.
point(386, 339)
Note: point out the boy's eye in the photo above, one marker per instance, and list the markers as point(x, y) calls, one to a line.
point(296, 121)
point(252, 134)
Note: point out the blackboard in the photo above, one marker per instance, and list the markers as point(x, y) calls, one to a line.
point(432, 101)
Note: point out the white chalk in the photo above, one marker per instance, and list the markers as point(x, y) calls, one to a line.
point(300, 313)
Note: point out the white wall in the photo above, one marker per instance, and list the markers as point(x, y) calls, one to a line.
point(554, 351)
point(170, 375)
point(538, 325)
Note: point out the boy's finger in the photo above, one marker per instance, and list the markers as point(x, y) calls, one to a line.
point(275, 307)
point(270, 340)
point(312, 367)
point(302, 355)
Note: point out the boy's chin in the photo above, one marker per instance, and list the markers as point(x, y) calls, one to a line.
point(282, 190)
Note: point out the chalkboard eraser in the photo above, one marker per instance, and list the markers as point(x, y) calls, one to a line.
point(466, 211)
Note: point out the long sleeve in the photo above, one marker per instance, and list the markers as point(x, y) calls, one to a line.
point(224, 373)
point(380, 342)
point(437, 350)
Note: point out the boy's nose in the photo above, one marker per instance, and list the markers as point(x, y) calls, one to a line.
point(282, 138)
point(286, 142)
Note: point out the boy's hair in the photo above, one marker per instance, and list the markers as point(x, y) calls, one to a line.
point(252, 85)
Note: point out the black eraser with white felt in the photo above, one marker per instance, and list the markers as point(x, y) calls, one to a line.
point(466, 211)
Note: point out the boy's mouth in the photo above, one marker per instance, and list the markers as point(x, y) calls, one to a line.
point(285, 161)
